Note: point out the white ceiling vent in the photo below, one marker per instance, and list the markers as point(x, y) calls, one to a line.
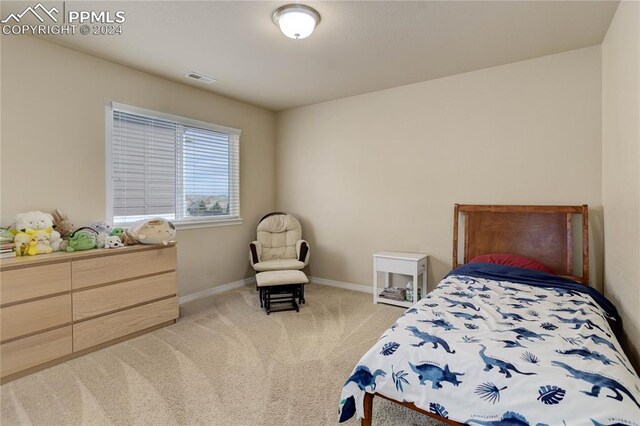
point(199, 77)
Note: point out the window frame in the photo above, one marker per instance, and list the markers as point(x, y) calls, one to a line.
point(204, 222)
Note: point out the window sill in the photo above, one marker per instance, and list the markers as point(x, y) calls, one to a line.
point(213, 223)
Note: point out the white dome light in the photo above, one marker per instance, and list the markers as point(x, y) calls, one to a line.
point(296, 20)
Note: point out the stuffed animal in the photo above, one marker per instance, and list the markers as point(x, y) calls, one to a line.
point(128, 239)
point(40, 241)
point(153, 231)
point(113, 242)
point(57, 243)
point(21, 242)
point(37, 220)
point(101, 239)
point(33, 220)
point(6, 236)
point(62, 224)
point(117, 232)
point(101, 226)
point(82, 239)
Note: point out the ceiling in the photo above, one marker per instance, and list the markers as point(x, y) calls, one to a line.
point(358, 47)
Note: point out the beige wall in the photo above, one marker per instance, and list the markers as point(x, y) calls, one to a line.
point(382, 171)
point(621, 168)
point(53, 145)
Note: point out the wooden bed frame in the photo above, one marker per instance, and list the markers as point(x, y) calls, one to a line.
point(544, 233)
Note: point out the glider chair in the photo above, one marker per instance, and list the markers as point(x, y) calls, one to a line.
point(278, 256)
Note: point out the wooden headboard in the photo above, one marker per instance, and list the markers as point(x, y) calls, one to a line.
point(544, 233)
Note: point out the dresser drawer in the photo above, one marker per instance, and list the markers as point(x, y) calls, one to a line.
point(37, 281)
point(103, 329)
point(97, 301)
point(30, 317)
point(34, 350)
point(106, 269)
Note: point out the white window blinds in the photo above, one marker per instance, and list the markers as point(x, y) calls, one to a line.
point(172, 167)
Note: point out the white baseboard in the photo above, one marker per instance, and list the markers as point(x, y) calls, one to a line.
point(250, 280)
point(216, 290)
point(341, 284)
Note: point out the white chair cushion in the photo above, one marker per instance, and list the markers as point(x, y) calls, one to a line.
point(278, 235)
point(278, 265)
point(266, 279)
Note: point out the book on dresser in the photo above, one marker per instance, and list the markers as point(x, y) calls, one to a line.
point(58, 306)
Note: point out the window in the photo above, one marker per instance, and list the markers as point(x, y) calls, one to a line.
point(159, 165)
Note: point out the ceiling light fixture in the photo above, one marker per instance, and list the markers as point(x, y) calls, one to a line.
point(296, 20)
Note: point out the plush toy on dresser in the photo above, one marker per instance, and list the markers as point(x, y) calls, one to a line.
point(5, 236)
point(36, 221)
point(82, 239)
point(103, 231)
point(128, 239)
point(40, 241)
point(101, 226)
point(113, 242)
point(62, 224)
point(153, 231)
point(21, 242)
point(117, 232)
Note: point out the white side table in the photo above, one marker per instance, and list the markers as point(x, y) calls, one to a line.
point(393, 262)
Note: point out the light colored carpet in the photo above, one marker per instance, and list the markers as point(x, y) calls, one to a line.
point(224, 363)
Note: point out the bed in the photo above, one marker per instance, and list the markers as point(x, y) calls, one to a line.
point(495, 344)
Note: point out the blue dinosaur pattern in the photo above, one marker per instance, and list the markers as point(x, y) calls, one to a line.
point(578, 323)
point(598, 382)
point(446, 325)
point(598, 340)
point(511, 343)
point(364, 378)
point(511, 316)
point(436, 375)
point(525, 355)
point(523, 333)
point(585, 353)
point(428, 338)
point(467, 316)
point(503, 366)
point(461, 303)
point(529, 301)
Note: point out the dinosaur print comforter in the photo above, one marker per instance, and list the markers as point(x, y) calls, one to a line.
point(496, 345)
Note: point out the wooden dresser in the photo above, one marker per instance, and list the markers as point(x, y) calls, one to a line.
point(61, 305)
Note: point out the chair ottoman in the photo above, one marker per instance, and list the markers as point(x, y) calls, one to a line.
point(281, 287)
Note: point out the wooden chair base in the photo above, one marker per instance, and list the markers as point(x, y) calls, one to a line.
point(281, 294)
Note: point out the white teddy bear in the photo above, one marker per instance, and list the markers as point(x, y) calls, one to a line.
point(113, 242)
point(37, 220)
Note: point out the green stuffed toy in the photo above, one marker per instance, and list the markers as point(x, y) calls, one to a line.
point(83, 239)
point(117, 232)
